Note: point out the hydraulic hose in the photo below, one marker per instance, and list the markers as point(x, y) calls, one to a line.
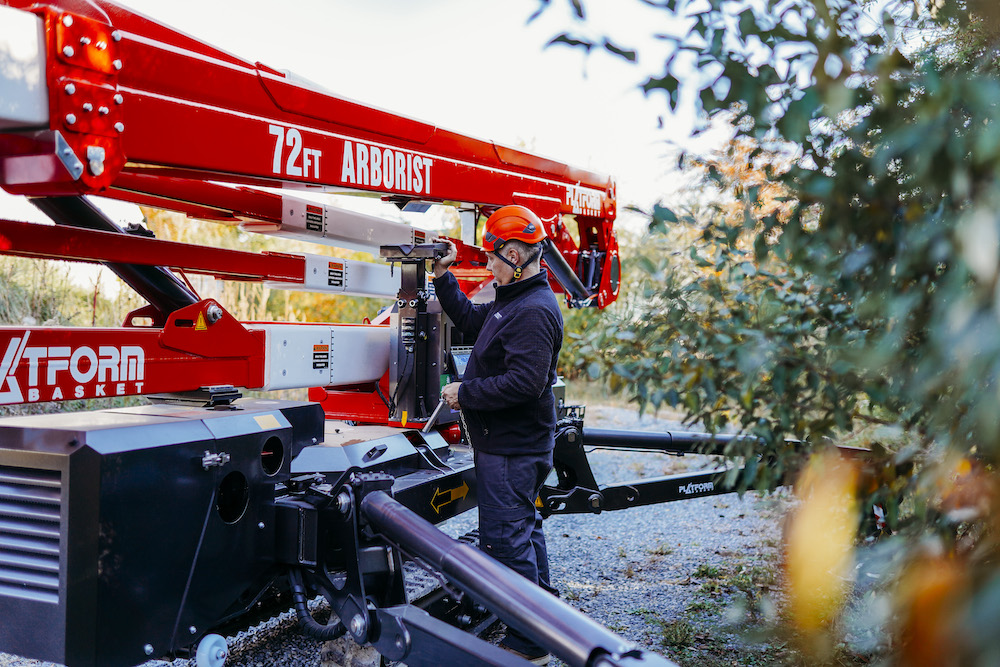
point(310, 626)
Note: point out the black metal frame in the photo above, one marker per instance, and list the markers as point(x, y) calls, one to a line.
point(360, 574)
point(337, 521)
point(577, 491)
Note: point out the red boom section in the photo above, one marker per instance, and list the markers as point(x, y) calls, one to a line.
point(63, 363)
point(144, 113)
point(25, 239)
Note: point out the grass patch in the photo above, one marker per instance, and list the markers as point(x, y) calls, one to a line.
point(702, 606)
point(712, 587)
point(752, 578)
point(676, 634)
point(660, 549)
point(706, 572)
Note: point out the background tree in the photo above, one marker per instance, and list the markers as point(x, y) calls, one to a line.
point(848, 275)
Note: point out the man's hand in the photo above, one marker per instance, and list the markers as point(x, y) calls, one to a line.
point(450, 395)
point(441, 264)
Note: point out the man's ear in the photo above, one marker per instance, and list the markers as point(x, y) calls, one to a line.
point(513, 255)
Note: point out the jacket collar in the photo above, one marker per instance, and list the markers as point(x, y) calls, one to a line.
point(514, 290)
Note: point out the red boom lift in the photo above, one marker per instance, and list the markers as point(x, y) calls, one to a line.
point(263, 503)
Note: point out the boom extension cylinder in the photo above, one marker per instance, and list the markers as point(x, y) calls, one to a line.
point(564, 274)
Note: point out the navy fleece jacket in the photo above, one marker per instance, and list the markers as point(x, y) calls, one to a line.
point(506, 394)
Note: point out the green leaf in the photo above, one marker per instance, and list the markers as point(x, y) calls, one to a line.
point(717, 37)
point(623, 371)
point(569, 40)
point(628, 54)
point(662, 214)
point(667, 83)
point(708, 99)
point(794, 124)
point(748, 23)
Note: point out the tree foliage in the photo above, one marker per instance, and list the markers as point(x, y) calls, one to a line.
point(848, 272)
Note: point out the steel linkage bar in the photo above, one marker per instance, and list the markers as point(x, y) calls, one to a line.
point(578, 491)
point(565, 632)
point(672, 442)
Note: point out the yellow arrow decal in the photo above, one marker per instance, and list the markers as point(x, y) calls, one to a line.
point(442, 498)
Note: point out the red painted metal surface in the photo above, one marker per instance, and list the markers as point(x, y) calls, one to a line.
point(25, 239)
point(145, 114)
point(63, 363)
point(361, 404)
point(166, 113)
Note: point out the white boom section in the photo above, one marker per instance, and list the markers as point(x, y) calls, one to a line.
point(331, 275)
point(323, 355)
point(318, 223)
point(24, 94)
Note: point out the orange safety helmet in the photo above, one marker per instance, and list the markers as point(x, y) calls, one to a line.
point(513, 223)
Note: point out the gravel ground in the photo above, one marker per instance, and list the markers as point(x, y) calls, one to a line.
point(673, 578)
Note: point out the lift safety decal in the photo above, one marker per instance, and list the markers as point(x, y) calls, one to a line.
point(335, 274)
point(448, 496)
point(314, 218)
point(321, 357)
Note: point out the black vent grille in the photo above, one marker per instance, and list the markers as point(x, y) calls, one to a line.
point(29, 533)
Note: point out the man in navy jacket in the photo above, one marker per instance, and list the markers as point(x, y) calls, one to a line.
point(505, 397)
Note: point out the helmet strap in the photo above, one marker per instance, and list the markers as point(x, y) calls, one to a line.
point(518, 270)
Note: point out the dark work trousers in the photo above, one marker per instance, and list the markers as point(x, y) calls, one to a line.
point(510, 527)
